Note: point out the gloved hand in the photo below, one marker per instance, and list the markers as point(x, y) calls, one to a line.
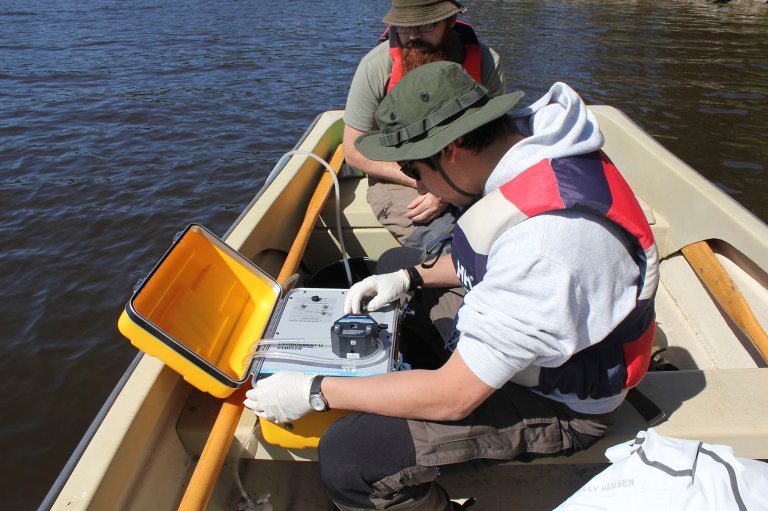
point(282, 397)
point(384, 289)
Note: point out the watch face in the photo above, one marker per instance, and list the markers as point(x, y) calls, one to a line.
point(317, 403)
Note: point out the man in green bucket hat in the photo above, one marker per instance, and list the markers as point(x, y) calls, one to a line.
point(557, 323)
point(419, 31)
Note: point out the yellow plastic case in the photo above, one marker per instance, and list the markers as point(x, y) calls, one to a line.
point(200, 310)
point(300, 434)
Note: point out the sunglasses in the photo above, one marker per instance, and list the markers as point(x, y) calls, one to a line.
point(407, 169)
point(434, 162)
point(423, 29)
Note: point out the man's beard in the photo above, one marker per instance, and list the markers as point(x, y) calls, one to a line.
point(418, 53)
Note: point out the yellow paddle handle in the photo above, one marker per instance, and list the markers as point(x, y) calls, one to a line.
point(725, 291)
point(214, 453)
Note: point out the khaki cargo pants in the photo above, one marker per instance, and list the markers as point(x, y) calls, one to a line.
point(389, 202)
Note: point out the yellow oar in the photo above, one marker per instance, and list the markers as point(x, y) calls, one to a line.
point(215, 451)
point(703, 261)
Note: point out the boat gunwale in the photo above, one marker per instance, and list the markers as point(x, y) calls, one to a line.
point(681, 225)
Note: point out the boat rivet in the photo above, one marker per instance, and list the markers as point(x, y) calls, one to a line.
point(425, 96)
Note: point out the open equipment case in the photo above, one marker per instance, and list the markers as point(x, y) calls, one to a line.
point(221, 322)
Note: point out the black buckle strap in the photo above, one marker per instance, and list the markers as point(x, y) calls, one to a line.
point(435, 249)
point(652, 414)
point(418, 128)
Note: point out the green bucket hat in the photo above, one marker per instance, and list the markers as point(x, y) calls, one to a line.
point(429, 108)
point(410, 13)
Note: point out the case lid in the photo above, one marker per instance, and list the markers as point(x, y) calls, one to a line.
point(206, 302)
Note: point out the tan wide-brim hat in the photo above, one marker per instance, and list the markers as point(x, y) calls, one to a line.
point(411, 13)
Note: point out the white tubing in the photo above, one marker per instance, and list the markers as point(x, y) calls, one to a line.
point(249, 502)
point(334, 361)
point(290, 282)
point(338, 203)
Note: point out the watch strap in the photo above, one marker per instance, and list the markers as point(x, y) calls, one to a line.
point(414, 277)
point(314, 390)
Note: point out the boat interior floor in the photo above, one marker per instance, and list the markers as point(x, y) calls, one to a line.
point(298, 485)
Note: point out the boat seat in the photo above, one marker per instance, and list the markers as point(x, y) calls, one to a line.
point(357, 212)
point(355, 209)
point(363, 234)
point(369, 235)
point(724, 406)
point(714, 406)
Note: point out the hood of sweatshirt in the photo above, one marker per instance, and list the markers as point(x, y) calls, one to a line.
point(556, 126)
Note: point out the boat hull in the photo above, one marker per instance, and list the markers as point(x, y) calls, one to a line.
point(146, 446)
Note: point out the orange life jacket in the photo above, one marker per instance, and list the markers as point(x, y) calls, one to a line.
point(472, 53)
point(589, 183)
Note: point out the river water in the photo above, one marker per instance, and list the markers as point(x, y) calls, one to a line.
point(121, 122)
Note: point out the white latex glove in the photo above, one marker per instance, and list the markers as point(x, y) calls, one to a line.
point(383, 288)
point(282, 397)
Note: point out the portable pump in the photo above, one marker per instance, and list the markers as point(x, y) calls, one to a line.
point(355, 336)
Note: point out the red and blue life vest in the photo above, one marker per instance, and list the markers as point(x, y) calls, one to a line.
point(472, 53)
point(592, 184)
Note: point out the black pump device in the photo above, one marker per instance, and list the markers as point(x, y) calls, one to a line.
point(355, 336)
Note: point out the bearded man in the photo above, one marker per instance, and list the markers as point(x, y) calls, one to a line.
point(419, 32)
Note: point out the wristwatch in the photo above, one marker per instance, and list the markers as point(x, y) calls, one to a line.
point(316, 399)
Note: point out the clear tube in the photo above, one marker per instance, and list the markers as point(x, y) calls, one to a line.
point(276, 342)
point(333, 361)
point(290, 282)
point(236, 467)
point(338, 202)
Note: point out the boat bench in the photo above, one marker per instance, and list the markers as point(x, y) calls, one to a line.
point(724, 406)
point(369, 236)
